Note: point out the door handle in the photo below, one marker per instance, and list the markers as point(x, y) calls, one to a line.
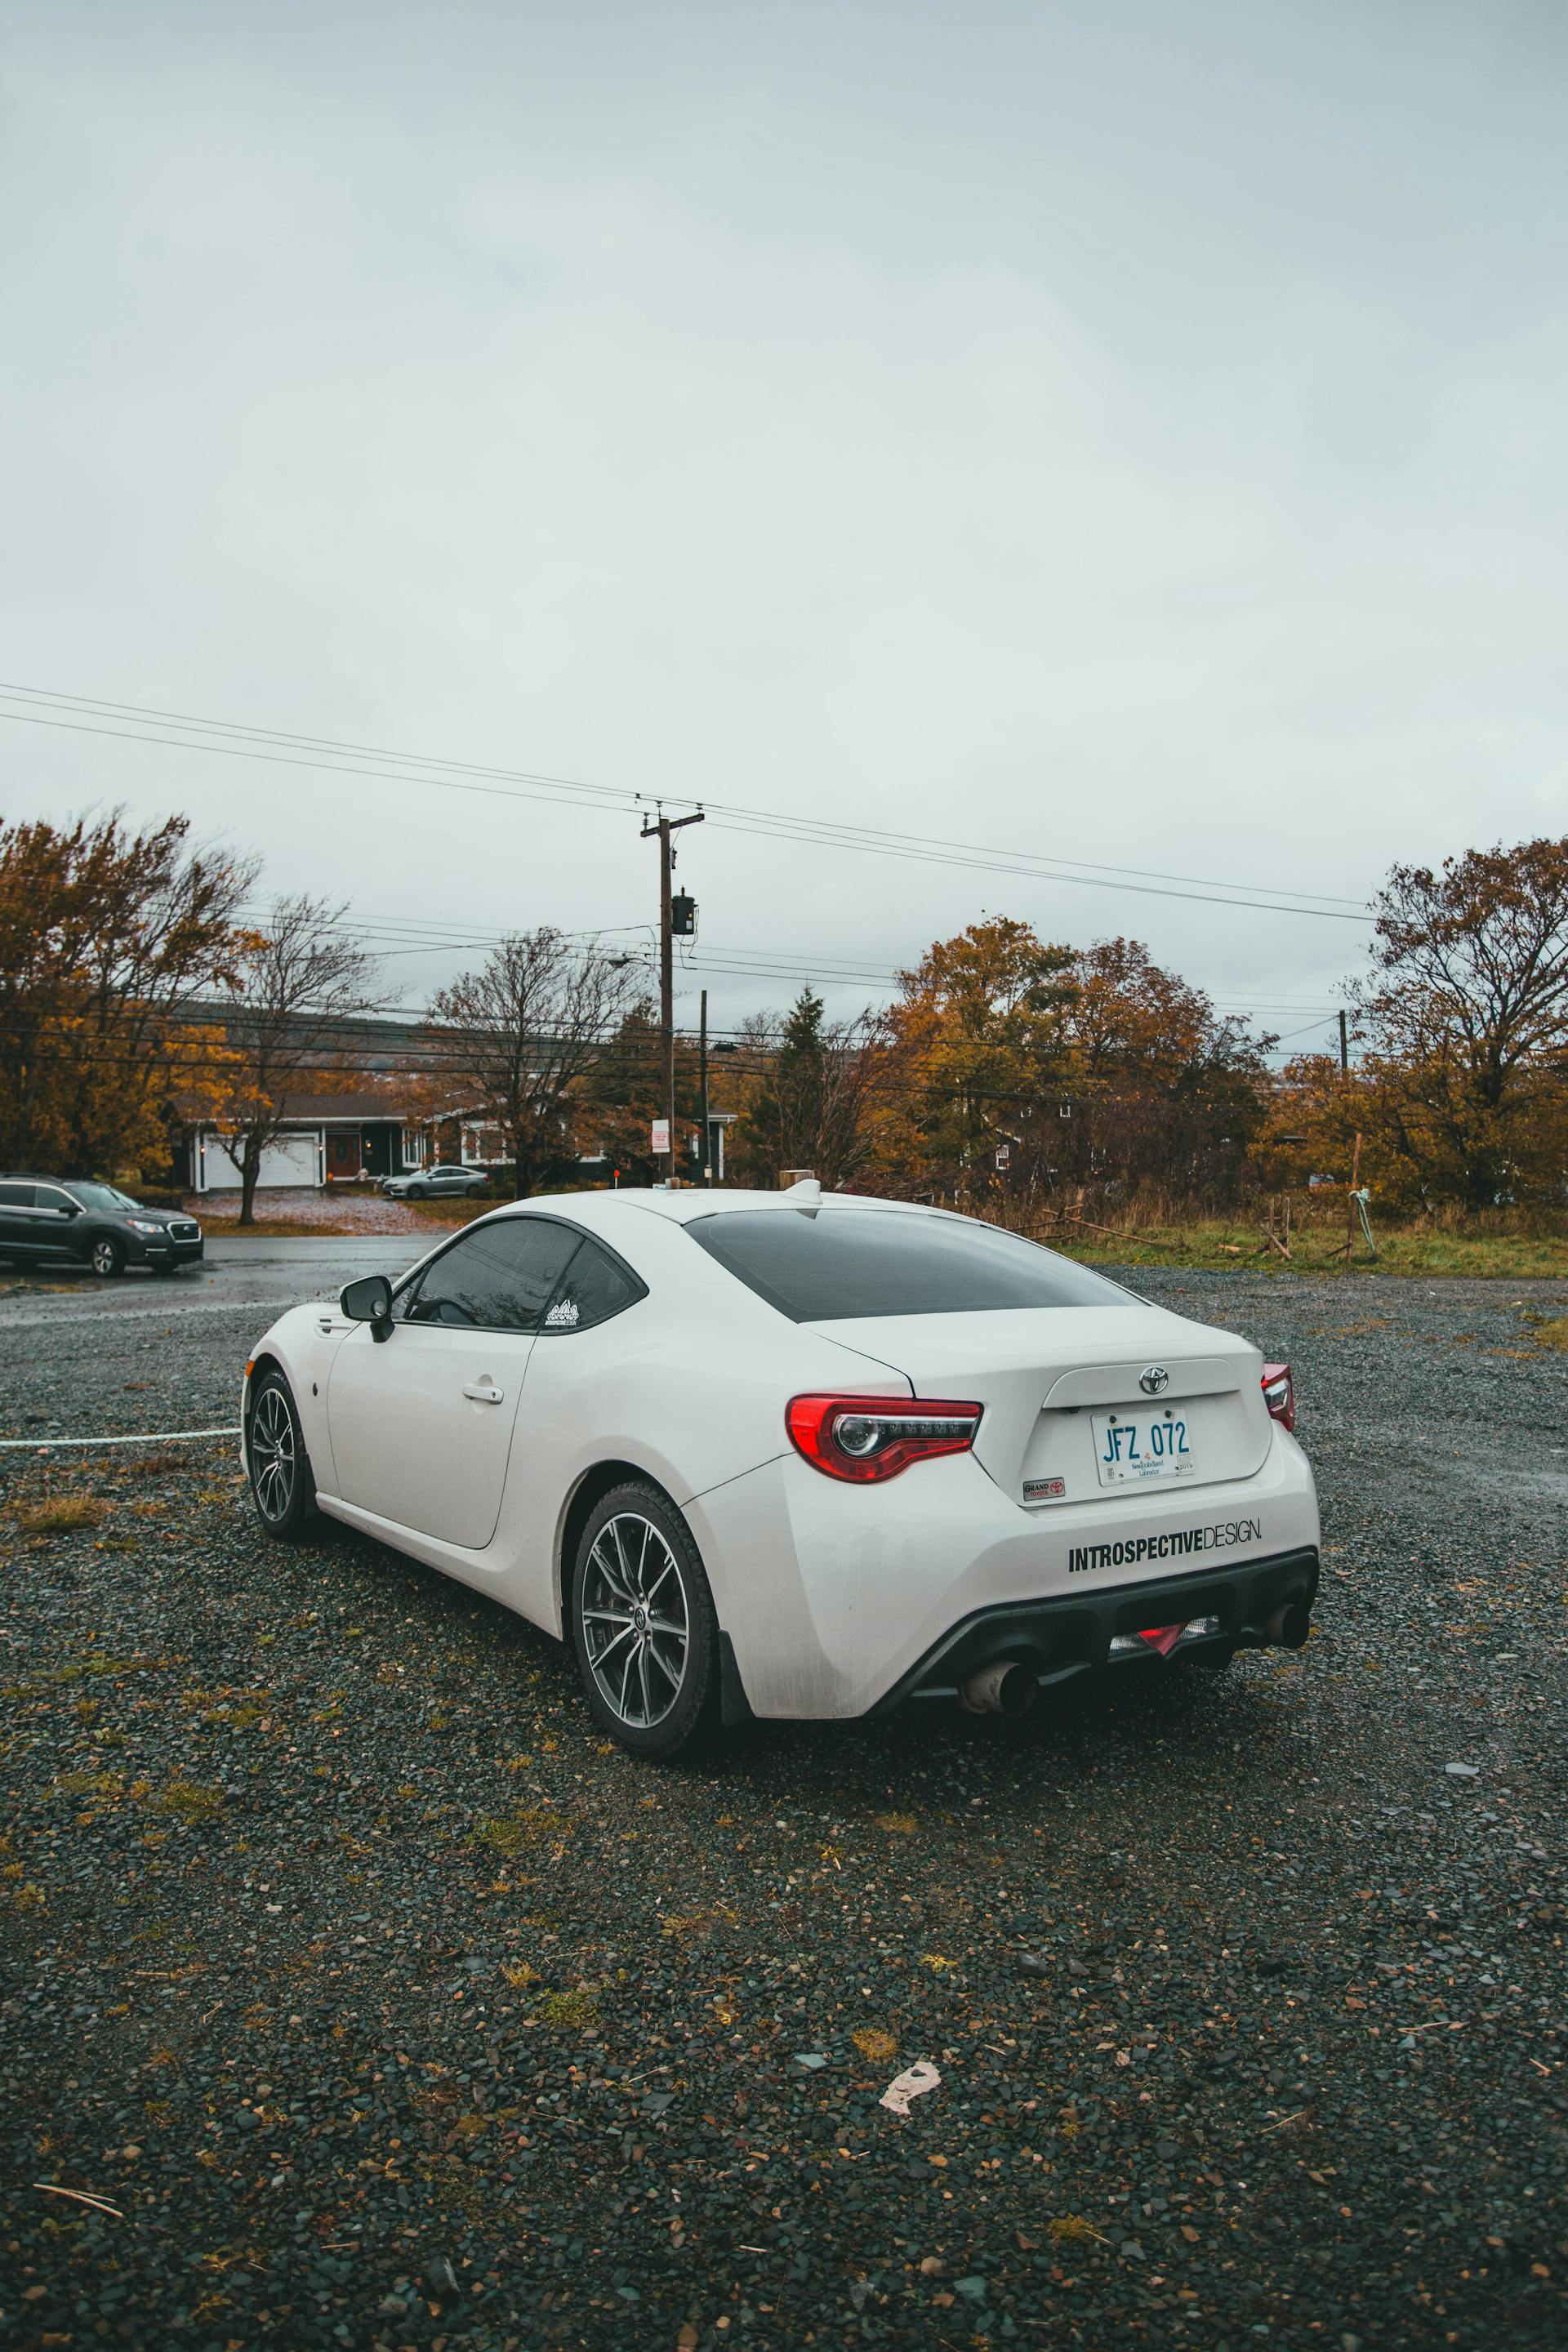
point(483, 1392)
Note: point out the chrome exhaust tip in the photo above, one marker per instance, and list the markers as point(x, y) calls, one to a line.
point(1004, 1687)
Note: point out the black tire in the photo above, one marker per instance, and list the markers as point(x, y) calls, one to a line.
point(652, 1682)
point(417, 1192)
point(106, 1256)
point(282, 1484)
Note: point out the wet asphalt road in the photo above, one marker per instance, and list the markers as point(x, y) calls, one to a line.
point(185, 1336)
point(386, 2007)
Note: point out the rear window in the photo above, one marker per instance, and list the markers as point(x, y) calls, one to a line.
point(831, 1266)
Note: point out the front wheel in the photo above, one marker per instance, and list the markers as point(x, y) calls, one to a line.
point(643, 1625)
point(106, 1256)
point(417, 1192)
point(282, 1485)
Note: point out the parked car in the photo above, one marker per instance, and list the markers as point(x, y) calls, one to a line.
point(793, 1455)
point(43, 1217)
point(448, 1182)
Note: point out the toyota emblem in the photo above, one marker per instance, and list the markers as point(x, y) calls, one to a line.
point(1154, 1379)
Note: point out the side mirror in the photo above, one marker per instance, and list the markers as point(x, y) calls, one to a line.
point(369, 1300)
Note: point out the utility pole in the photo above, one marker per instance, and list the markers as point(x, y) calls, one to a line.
point(1344, 1048)
point(664, 827)
point(707, 1130)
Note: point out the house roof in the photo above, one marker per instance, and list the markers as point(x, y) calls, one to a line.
point(362, 1107)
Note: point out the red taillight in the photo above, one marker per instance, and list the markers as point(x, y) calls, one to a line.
point(866, 1438)
point(1279, 1393)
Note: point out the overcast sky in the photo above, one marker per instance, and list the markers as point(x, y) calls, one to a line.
point(1129, 434)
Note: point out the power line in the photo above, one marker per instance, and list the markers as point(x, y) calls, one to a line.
point(527, 785)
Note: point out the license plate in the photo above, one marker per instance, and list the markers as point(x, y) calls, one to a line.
point(1136, 1449)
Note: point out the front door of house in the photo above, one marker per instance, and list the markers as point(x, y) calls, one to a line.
point(344, 1158)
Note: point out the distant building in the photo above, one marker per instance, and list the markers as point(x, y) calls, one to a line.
point(341, 1137)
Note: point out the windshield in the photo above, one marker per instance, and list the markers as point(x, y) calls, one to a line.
point(100, 1196)
point(834, 1265)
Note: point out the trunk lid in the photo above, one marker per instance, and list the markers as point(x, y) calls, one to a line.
point(1066, 1417)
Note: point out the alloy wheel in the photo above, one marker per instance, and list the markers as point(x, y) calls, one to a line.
point(273, 1453)
point(105, 1259)
point(637, 1627)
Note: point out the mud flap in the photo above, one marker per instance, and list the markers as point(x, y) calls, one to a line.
point(734, 1706)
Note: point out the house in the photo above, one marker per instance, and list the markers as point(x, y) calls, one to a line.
point(339, 1138)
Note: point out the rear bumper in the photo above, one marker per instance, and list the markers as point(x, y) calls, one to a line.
point(1073, 1634)
point(835, 1596)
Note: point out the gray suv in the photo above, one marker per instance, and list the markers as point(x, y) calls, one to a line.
point(75, 1217)
point(446, 1182)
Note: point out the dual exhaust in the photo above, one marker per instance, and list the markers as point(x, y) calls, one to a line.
point(1006, 1686)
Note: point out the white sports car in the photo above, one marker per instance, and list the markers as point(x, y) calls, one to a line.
point(795, 1454)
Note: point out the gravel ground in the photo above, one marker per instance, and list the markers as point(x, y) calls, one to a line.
point(386, 2007)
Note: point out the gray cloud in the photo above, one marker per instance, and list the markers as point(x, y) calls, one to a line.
point(1134, 437)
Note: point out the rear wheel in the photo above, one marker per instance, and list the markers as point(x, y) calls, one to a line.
point(282, 1485)
point(106, 1256)
point(643, 1624)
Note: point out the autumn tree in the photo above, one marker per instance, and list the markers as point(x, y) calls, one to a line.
point(293, 986)
point(1159, 1088)
point(979, 1027)
point(1464, 1023)
point(527, 1032)
point(110, 942)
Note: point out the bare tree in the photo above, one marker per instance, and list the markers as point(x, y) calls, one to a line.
point(524, 1032)
point(293, 986)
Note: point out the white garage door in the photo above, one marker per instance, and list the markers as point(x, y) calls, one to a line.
point(293, 1160)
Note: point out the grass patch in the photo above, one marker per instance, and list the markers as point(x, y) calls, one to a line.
point(515, 1832)
point(1553, 1334)
point(1071, 2229)
point(190, 1803)
point(579, 2007)
point(61, 1515)
point(108, 1785)
point(876, 2043)
point(1319, 1248)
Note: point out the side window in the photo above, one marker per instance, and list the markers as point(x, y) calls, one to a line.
point(48, 1196)
point(497, 1278)
point(16, 1196)
point(595, 1286)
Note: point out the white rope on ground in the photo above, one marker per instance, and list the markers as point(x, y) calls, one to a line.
point(142, 1437)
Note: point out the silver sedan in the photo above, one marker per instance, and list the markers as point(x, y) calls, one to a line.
point(448, 1182)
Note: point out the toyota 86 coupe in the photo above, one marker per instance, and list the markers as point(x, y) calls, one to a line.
point(797, 1455)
